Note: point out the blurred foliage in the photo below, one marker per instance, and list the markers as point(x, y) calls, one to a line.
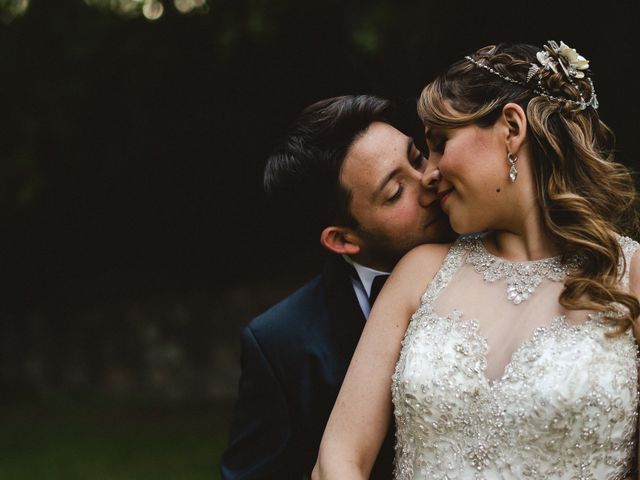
point(150, 9)
point(11, 9)
point(97, 439)
point(132, 150)
point(117, 129)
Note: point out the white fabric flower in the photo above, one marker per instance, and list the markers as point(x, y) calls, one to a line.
point(571, 62)
point(575, 62)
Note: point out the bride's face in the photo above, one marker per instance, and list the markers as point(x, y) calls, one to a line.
point(475, 190)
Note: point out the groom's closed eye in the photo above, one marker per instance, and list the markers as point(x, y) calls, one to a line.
point(396, 196)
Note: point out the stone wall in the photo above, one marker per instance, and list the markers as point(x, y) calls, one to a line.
point(173, 346)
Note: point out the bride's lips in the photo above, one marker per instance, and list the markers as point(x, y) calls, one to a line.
point(443, 195)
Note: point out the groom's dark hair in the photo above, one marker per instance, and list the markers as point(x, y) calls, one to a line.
point(302, 176)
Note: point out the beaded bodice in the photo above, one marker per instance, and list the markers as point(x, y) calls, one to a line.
point(496, 381)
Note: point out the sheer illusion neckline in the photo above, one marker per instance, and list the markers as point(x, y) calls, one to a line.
point(522, 278)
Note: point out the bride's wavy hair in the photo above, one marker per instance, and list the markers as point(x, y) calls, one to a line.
point(586, 198)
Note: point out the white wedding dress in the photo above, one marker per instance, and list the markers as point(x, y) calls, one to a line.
point(496, 380)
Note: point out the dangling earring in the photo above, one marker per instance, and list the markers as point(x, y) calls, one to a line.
point(513, 171)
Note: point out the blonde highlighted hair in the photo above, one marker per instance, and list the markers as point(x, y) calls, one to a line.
point(586, 198)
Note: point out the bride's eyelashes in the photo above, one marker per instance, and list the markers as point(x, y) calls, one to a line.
point(436, 141)
point(439, 144)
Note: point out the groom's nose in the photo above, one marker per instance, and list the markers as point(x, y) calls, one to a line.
point(428, 184)
point(430, 178)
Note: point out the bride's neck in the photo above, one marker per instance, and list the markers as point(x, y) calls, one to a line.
point(524, 242)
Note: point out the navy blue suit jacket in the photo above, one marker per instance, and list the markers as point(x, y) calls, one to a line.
point(294, 358)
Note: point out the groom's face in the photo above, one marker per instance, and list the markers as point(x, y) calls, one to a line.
point(394, 210)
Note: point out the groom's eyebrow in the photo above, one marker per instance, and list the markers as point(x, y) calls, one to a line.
point(396, 170)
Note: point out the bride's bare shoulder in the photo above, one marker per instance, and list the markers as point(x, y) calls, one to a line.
point(424, 259)
point(416, 269)
point(428, 253)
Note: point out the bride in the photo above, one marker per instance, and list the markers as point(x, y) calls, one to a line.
point(510, 354)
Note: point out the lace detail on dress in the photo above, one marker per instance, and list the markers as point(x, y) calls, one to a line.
point(565, 407)
point(522, 278)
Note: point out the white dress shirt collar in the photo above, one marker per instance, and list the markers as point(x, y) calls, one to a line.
point(365, 274)
point(362, 284)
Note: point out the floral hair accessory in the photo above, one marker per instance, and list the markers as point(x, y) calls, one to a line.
point(553, 57)
point(572, 63)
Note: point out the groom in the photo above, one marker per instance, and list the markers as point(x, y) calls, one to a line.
point(362, 185)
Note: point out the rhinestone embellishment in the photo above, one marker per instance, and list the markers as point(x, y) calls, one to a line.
point(522, 278)
point(513, 173)
point(566, 405)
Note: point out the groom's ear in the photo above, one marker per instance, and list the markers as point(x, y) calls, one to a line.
point(340, 240)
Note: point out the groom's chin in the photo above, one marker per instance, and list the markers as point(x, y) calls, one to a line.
point(440, 231)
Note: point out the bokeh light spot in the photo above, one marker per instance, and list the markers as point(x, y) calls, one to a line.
point(11, 9)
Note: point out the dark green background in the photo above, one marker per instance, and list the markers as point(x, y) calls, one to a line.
point(136, 240)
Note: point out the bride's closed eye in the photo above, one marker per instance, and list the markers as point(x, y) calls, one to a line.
point(438, 144)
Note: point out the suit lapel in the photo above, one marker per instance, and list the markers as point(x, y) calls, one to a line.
point(346, 319)
point(346, 322)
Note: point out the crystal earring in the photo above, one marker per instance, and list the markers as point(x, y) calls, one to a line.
point(513, 171)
